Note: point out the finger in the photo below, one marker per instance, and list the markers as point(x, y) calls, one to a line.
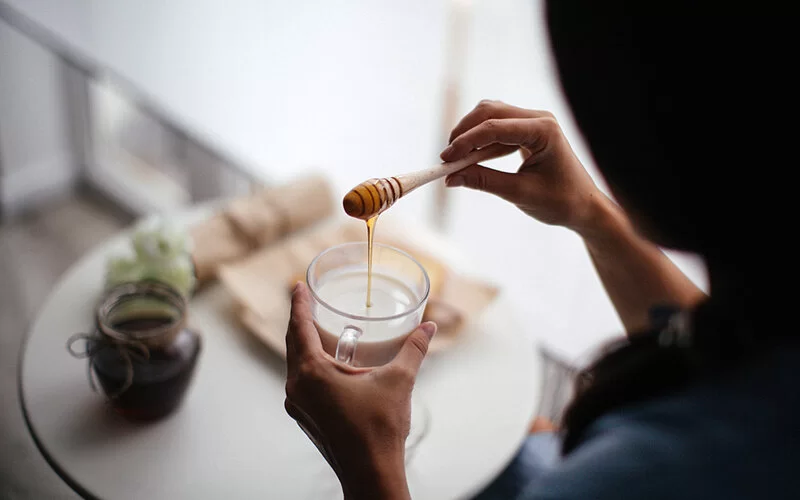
point(528, 132)
point(302, 338)
point(415, 347)
point(502, 184)
point(487, 109)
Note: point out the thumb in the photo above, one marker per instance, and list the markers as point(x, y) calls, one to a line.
point(502, 184)
point(415, 347)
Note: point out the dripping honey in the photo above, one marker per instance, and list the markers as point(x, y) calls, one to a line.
point(370, 237)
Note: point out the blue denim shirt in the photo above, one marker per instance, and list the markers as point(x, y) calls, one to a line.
point(734, 437)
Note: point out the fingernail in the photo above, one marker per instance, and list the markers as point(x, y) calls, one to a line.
point(455, 181)
point(297, 287)
point(447, 152)
point(429, 327)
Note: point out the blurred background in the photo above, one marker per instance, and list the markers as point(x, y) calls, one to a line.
point(111, 110)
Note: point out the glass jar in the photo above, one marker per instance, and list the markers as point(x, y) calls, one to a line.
point(142, 352)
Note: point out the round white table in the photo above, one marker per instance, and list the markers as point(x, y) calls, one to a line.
point(231, 437)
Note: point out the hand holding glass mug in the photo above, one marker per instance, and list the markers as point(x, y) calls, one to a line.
point(357, 409)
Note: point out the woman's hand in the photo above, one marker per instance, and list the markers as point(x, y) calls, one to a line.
point(358, 418)
point(551, 184)
point(553, 187)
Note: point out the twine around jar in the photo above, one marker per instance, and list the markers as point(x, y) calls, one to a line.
point(132, 346)
point(128, 350)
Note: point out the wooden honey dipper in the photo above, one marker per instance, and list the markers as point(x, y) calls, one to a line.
point(373, 196)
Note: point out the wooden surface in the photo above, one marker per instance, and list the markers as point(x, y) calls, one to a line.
point(413, 180)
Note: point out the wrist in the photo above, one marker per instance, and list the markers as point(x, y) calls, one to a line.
point(603, 220)
point(382, 476)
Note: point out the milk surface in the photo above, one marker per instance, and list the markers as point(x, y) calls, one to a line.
point(347, 291)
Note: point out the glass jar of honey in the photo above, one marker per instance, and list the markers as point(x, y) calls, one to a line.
point(142, 353)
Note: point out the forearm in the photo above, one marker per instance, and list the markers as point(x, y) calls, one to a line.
point(635, 273)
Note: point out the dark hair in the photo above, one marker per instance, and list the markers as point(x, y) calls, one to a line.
point(660, 96)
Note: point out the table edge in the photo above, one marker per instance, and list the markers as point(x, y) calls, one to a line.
point(74, 485)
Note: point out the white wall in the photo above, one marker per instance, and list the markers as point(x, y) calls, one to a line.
point(36, 161)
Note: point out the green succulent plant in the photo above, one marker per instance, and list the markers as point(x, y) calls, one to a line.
point(159, 251)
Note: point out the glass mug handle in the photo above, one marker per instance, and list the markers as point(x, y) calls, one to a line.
point(346, 346)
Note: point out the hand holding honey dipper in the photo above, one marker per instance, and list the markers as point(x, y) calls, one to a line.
point(370, 198)
point(551, 185)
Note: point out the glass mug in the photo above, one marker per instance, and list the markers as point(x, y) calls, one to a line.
point(350, 331)
point(372, 336)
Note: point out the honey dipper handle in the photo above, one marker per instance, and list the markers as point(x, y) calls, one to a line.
point(413, 180)
point(373, 196)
